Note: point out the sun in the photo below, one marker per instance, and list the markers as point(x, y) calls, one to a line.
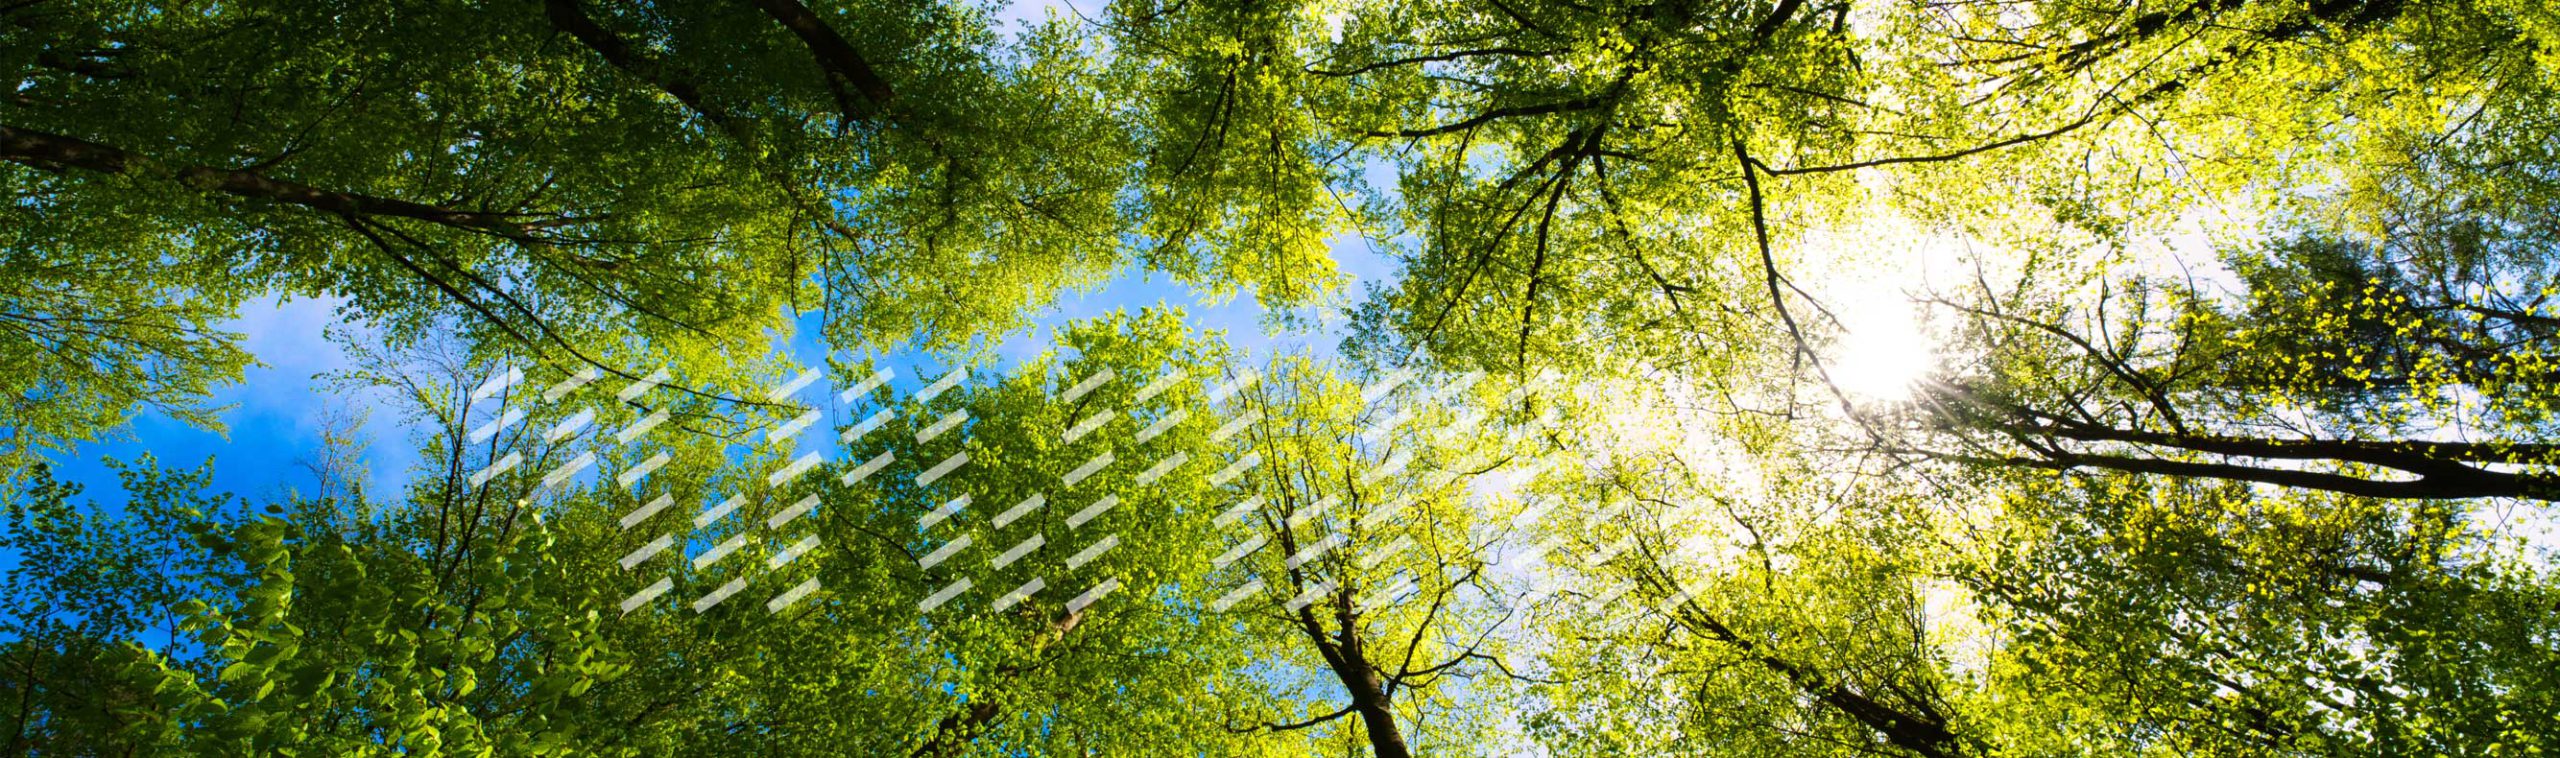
point(1876, 271)
point(1885, 354)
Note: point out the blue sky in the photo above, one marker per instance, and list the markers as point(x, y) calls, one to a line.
point(274, 414)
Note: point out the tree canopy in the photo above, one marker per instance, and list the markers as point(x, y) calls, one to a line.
point(1929, 378)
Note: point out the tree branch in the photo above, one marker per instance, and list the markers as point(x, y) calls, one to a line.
point(836, 58)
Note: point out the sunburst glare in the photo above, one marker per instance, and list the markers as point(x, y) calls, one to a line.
point(1885, 353)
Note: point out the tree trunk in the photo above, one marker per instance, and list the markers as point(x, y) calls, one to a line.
point(1377, 714)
